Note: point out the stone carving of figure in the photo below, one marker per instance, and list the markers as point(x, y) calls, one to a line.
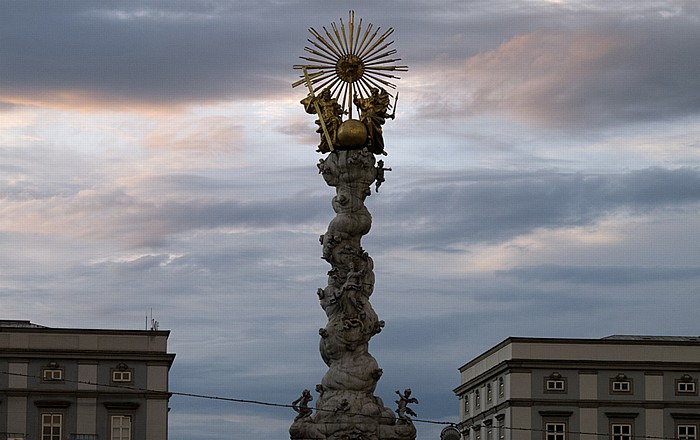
point(380, 175)
point(373, 113)
point(331, 113)
point(301, 405)
point(404, 400)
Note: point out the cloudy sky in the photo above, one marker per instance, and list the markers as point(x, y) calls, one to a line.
point(153, 155)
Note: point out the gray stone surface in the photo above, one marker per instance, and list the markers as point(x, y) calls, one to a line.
point(346, 407)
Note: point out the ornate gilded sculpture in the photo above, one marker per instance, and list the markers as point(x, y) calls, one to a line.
point(350, 66)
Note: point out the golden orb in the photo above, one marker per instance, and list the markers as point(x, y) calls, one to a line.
point(352, 134)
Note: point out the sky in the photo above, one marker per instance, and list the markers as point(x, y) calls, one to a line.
point(154, 157)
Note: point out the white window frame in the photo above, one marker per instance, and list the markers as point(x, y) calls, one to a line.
point(687, 431)
point(621, 431)
point(685, 387)
point(120, 427)
point(121, 376)
point(51, 421)
point(558, 385)
point(621, 386)
point(555, 431)
point(52, 374)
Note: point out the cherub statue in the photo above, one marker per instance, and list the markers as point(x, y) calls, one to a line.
point(404, 400)
point(373, 113)
point(301, 405)
point(380, 175)
point(330, 112)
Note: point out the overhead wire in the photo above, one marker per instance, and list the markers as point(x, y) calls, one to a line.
point(284, 405)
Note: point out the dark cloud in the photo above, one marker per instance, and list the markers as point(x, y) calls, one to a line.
point(606, 275)
point(493, 207)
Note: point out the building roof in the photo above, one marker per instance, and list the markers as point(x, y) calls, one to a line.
point(653, 338)
point(16, 323)
point(502, 350)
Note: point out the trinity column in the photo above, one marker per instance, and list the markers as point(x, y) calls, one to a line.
point(348, 65)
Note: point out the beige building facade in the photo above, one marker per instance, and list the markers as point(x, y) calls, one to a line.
point(614, 388)
point(83, 384)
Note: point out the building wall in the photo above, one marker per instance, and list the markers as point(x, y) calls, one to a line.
point(587, 404)
point(86, 396)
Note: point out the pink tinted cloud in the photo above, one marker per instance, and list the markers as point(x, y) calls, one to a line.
point(208, 135)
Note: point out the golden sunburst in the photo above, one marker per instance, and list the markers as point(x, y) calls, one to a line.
point(349, 61)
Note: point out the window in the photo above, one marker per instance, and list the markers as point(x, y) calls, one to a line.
point(687, 432)
point(501, 387)
point(52, 374)
point(121, 376)
point(121, 428)
point(489, 393)
point(621, 431)
point(51, 424)
point(555, 383)
point(501, 427)
point(620, 384)
point(489, 432)
point(555, 431)
point(686, 386)
point(466, 404)
point(83, 437)
point(477, 432)
point(477, 399)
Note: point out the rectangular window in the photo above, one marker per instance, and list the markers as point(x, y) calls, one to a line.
point(621, 386)
point(501, 429)
point(51, 425)
point(687, 432)
point(621, 431)
point(50, 374)
point(555, 431)
point(489, 432)
point(121, 428)
point(466, 404)
point(556, 385)
point(685, 387)
point(121, 376)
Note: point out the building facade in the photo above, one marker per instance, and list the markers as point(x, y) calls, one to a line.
point(615, 388)
point(83, 384)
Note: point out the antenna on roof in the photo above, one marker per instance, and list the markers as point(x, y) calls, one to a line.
point(154, 323)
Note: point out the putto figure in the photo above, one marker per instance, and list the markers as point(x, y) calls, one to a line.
point(402, 409)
